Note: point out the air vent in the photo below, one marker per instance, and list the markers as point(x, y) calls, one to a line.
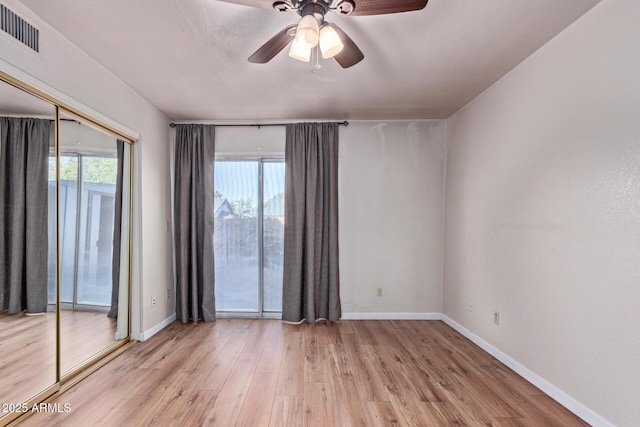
point(19, 29)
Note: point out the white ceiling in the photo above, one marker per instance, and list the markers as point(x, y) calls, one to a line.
point(188, 58)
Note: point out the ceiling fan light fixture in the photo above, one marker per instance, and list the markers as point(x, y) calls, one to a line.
point(308, 30)
point(300, 50)
point(330, 43)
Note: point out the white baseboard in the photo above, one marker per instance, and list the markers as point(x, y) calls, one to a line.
point(157, 328)
point(391, 316)
point(554, 392)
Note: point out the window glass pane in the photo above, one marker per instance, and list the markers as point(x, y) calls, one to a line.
point(68, 224)
point(236, 236)
point(273, 232)
point(96, 230)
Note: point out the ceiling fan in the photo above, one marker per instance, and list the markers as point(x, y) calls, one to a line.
point(314, 32)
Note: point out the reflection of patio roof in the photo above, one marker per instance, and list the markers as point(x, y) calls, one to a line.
point(97, 187)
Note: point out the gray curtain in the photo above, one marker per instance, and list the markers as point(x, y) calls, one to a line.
point(193, 222)
point(24, 160)
point(311, 282)
point(117, 234)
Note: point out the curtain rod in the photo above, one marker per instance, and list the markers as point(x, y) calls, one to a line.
point(258, 125)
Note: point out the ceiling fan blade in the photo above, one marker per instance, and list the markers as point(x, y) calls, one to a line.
point(262, 4)
point(381, 7)
point(350, 54)
point(271, 48)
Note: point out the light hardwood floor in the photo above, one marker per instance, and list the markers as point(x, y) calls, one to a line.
point(266, 373)
point(28, 349)
point(82, 335)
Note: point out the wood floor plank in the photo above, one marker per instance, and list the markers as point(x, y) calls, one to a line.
point(229, 402)
point(317, 355)
point(256, 410)
point(349, 407)
point(287, 411)
point(318, 405)
point(365, 372)
point(291, 379)
point(383, 414)
point(515, 422)
point(350, 373)
point(221, 359)
point(271, 356)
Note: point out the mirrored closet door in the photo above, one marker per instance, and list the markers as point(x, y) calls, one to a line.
point(93, 205)
point(65, 209)
point(27, 247)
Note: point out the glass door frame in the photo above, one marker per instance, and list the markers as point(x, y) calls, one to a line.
point(261, 312)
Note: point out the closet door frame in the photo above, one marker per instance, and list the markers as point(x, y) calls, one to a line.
point(64, 381)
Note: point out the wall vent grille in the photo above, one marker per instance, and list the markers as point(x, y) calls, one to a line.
point(19, 29)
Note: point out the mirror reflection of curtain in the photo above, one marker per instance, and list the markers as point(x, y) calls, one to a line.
point(117, 234)
point(24, 156)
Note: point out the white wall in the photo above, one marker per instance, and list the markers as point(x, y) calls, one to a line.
point(391, 196)
point(543, 213)
point(65, 68)
point(265, 142)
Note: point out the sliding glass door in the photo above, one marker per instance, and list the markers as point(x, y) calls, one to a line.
point(272, 234)
point(237, 263)
point(248, 235)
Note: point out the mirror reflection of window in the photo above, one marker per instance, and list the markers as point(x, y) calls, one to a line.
point(87, 187)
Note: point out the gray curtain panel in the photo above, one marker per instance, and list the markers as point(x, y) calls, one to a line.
point(24, 165)
point(193, 222)
point(311, 282)
point(117, 233)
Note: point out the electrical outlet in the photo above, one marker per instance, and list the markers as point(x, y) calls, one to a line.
point(154, 301)
point(496, 317)
point(470, 307)
point(379, 292)
point(168, 294)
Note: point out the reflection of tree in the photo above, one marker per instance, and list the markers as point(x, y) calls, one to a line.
point(69, 169)
point(244, 208)
point(99, 170)
point(274, 207)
